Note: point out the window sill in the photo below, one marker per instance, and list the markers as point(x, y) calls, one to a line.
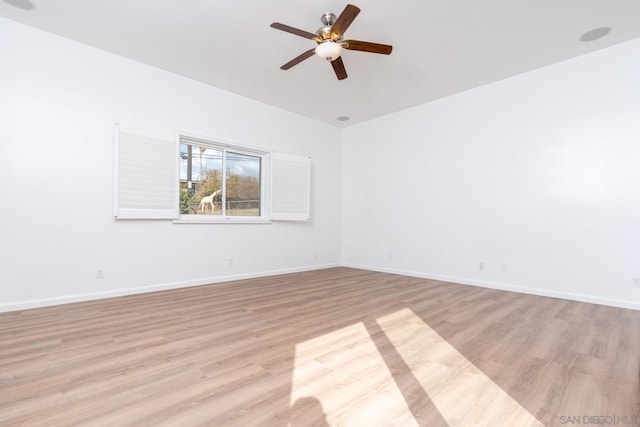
point(221, 220)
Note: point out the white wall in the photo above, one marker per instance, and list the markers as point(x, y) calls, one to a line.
point(58, 103)
point(540, 172)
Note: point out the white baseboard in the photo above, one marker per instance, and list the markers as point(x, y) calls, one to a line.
point(24, 305)
point(505, 287)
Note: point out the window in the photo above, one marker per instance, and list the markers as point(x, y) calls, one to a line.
point(195, 180)
point(220, 181)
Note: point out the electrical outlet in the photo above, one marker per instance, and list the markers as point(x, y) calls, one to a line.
point(636, 282)
point(99, 273)
point(315, 254)
point(481, 266)
point(503, 268)
point(390, 257)
point(230, 261)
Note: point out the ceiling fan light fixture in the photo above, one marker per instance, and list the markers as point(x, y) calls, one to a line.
point(329, 50)
point(329, 41)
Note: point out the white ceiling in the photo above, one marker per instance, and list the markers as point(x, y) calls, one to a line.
point(440, 47)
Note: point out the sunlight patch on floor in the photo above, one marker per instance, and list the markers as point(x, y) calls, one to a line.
point(463, 394)
point(343, 374)
point(341, 379)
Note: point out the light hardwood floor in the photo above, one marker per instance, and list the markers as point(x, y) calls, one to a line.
point(339, 347)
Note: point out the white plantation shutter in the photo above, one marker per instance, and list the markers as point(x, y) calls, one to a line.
point(290, 187)
point(145, 177)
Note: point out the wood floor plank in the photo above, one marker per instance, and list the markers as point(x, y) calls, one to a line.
point(331, 347)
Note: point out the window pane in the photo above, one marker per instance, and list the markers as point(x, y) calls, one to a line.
point(243, 185)
point(200, 180)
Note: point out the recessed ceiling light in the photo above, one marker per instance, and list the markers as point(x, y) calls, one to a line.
point(22, 4)
point(342, 118)
point(595, 34)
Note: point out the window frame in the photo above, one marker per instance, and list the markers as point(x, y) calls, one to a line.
point(225, 147)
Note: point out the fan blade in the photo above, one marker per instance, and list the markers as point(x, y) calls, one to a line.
point(344, 20)
point(338, 67)
point(297, 32)
point(383, 49)
point(298, 59)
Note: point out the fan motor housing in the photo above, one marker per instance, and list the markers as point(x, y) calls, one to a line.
point(324, 32)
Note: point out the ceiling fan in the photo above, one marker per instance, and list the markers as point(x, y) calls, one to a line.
point(329, 39)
